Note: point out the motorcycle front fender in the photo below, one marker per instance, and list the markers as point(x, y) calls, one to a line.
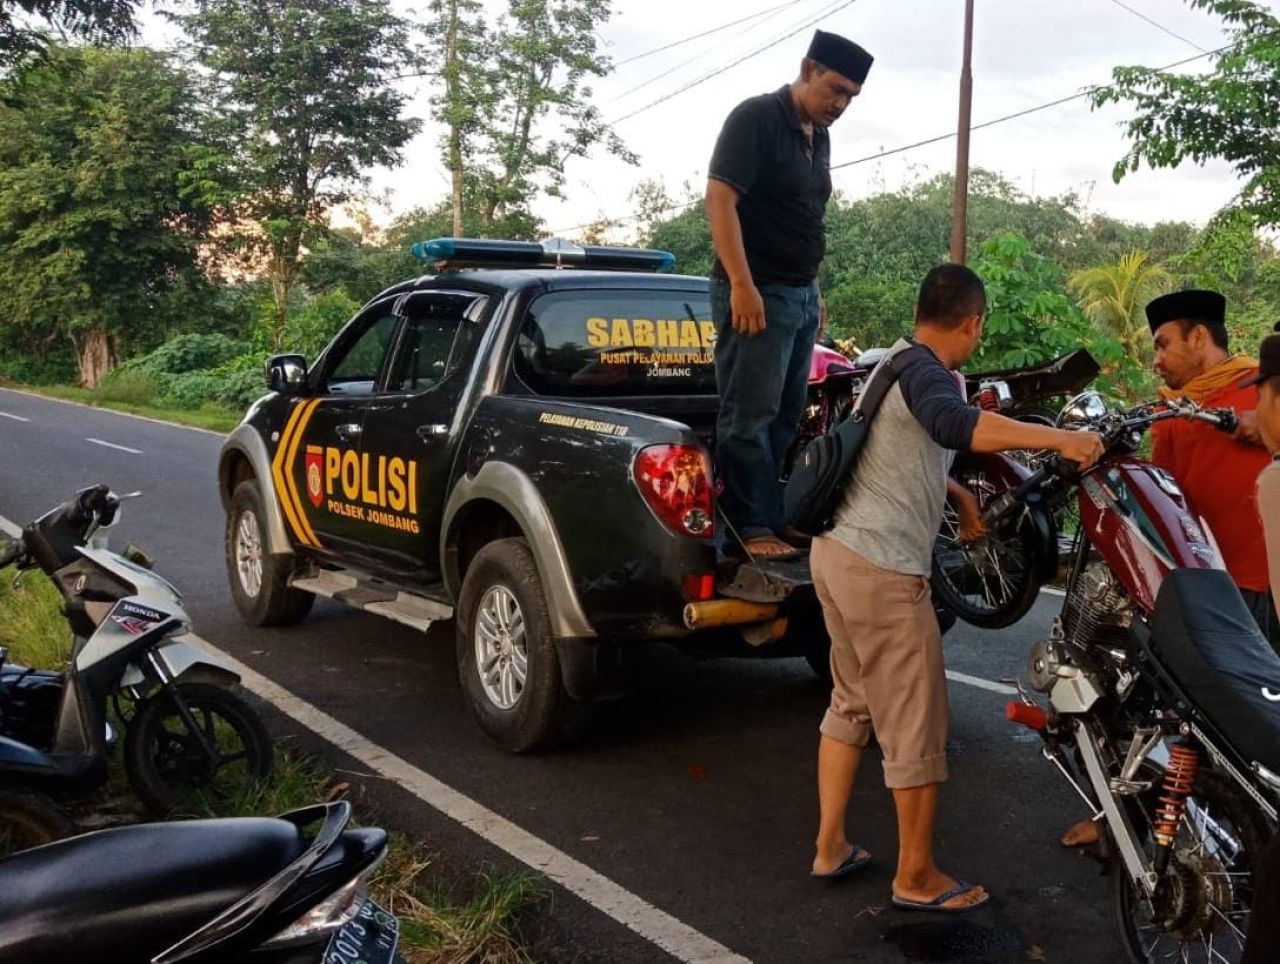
point(185, 661)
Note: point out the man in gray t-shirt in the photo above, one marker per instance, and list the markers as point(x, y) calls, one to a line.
point(871, 573)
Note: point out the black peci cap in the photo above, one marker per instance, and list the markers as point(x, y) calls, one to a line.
point(1192, 305)
point(841, 55)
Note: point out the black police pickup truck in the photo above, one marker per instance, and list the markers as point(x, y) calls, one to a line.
point(523, 447)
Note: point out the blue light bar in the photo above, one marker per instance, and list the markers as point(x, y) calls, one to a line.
point(554, 253)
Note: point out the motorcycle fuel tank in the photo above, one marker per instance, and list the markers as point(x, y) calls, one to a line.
point(1143, 526)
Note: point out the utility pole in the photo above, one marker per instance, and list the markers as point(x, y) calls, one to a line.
point(452, 73)
point(960, 211)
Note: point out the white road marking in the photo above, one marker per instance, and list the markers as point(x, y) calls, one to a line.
point(112, 445)
point(16, 418)
point(9, 529)
point(114, 411)
point(982, 684)
point(655, 925)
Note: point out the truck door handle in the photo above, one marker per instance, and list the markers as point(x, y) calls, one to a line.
point(429, 433)
point(348, 431)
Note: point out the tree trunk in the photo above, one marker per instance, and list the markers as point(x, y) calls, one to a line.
point(96, 353)
point(284, 276)
point(451, 75)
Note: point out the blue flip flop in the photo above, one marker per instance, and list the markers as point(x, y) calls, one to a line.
point(935, 905)
point(858, 859)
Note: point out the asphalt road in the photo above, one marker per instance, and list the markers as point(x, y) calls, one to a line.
point(695, 792)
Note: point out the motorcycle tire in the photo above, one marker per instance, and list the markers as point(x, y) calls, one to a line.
point(169, 768)
point(968, 590)
point(1227, 805)
point(30, 820)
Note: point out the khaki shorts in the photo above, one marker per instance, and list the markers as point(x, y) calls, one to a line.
point(886, 663)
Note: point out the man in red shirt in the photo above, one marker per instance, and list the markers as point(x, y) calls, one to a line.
point(1216, 471)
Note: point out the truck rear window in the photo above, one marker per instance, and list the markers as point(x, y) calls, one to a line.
point(618, 342)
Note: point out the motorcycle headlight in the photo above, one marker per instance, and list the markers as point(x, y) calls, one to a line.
point(1083, 412)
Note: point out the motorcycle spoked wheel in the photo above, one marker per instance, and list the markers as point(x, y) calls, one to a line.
point(168, 765)
point(30, 820)
point(1202, 910)
point(990, 583)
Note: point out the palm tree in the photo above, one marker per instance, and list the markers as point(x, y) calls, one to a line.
point(1114, 297)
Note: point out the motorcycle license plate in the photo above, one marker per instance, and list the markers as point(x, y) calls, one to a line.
point(368, 938)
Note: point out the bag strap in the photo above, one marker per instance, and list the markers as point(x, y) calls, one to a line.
point(882, 379)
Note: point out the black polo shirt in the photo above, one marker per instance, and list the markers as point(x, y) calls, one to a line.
point(762, 153)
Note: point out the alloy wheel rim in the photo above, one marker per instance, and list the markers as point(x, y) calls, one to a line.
point(501, 643)
point(248, 551)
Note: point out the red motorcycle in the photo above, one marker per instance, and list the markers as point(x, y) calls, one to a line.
point(1163, 698)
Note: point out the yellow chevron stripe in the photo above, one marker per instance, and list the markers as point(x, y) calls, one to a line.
point(278, 475)
point(310, 535)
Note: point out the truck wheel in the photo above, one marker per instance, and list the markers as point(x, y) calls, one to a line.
point(259, 580)
point(507, 660)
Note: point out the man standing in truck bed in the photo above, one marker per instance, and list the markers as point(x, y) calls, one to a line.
point(767, 190)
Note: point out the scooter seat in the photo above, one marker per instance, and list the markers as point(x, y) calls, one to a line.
point(1205, 636)
point(129, 893)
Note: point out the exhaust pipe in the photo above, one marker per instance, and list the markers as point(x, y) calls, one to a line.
point(727, 612)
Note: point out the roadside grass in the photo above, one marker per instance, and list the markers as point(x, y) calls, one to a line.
point(124, 395)
point(436, 928)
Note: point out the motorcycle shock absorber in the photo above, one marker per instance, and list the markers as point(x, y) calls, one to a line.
point(1179, 780)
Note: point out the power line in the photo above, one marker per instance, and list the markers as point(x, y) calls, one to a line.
point(710, 50)
point(943, 137)
point(1159, 26)
point(705, 33)
point(828, 11)
point(1088, 92)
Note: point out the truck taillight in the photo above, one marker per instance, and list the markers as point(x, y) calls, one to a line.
point(676, 482)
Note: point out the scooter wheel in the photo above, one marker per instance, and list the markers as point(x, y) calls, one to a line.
point(168, 765)
point(30, 820)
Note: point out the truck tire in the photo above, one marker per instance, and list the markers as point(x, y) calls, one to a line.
point(507, 660)
point(259, 580)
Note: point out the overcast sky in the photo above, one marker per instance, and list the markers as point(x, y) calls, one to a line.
point(1026, 52)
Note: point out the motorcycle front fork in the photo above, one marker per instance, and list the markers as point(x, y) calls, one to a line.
point(170, 686)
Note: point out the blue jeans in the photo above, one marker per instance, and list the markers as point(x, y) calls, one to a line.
point(762, 382)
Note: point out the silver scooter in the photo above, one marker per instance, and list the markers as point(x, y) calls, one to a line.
point(185, 727)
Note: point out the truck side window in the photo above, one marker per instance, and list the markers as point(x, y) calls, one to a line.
point(357, 372)
point(618, 343)
point(440, 329)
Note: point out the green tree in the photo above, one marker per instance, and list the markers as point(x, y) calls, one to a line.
point(1230, 256)
point(1031, 319)
point(98, 222)
point(302, 102)
point(520, 107)
point(1114, 297)
point(23, 24)
point(458, 47)
point(1229, 113)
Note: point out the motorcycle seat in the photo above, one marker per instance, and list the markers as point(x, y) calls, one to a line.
point(1205, 636)
point(133, 890)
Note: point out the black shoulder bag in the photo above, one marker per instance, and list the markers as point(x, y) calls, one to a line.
point(823, 469)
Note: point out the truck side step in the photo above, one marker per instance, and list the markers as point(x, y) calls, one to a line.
point(373, 595)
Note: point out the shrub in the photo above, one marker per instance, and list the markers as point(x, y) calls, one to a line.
point(131, 386)
point(188, 353)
